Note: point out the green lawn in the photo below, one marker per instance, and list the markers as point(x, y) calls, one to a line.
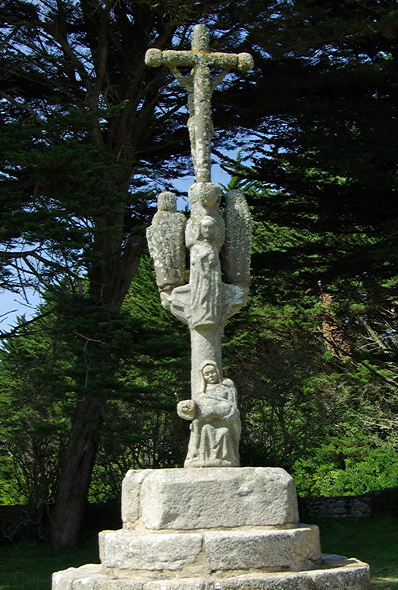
point(26, 566)
point(373, 540)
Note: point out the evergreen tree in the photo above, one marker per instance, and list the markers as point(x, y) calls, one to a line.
point(86, 133)
point(38, 384)
point(88, 138)
point(322, 183)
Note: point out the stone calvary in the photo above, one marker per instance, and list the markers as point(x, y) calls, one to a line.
point(219, 248)
point(212, 525)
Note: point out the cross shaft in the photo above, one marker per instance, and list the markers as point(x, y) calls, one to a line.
point(199, 85)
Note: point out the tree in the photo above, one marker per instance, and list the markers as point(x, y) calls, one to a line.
point(92, 133)
point(327, 131)
point(322, 183)
point(37, 400)
point(82, 107)
point(34, 411)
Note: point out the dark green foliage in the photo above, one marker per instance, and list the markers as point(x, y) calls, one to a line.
point(89, 135)
point(325, 142)
point(144, 431)
point(140, 368)
point(322, 180)
point(347, 465)
point(326, 414)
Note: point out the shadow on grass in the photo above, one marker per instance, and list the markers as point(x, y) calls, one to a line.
point(28, 566)
point(373, 540)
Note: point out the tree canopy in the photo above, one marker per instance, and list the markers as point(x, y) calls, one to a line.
point(90, 134)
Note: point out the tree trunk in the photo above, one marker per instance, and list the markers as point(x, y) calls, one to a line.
point(109, 284)
point(331, 331)
point(76, 471)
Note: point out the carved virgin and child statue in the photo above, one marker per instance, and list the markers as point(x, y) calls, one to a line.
point(215, 428)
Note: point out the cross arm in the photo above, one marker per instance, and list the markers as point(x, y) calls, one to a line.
point(228, 61)
point(225, 61)
point(156, 57)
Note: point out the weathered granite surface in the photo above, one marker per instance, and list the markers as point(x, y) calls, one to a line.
point(212, 528)
point(154, 551)
point(218, 284)
point(215, 428)
point(337, 573)
point(200, 85)
point(165, 241)
point(205, 552)
point(210, 497)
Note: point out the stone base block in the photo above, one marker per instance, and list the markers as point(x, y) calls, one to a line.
point(188, 499)
point(338, 573)
point(209, 551)
point(132, 551)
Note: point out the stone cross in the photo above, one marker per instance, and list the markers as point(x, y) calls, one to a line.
point(200, 86)
point(219, 248)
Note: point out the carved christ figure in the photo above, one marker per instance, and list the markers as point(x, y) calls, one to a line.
point(200, 87)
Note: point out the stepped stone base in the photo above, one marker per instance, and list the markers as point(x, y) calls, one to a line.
point(212, 529)
point(338, 573)
point(193, 553)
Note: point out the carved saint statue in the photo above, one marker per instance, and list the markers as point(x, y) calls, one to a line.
point(166, 243)
point(205, 277)
point(215, 428)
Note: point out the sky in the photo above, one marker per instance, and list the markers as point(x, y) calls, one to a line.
point(13, 305)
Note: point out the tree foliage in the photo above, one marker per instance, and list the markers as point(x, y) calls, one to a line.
point(38, 387)
point(92, 131)
point(321, 176)
point(90, 134)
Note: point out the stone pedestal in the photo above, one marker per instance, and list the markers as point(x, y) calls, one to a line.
point(213, 529)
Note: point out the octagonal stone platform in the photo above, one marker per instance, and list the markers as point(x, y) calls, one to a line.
point(337, 573)
point(212, 529)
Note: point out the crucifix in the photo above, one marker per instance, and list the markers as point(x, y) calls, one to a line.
point(219, 248)
point(200, 86)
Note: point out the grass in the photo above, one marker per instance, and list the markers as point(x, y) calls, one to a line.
point(373, 540)
point(26, 566)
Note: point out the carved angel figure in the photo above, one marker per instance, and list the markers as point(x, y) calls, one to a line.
point(236, 251)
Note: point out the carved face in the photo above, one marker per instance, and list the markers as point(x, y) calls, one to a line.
point(186, 405)
point(207, 228)
point(210, 374)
